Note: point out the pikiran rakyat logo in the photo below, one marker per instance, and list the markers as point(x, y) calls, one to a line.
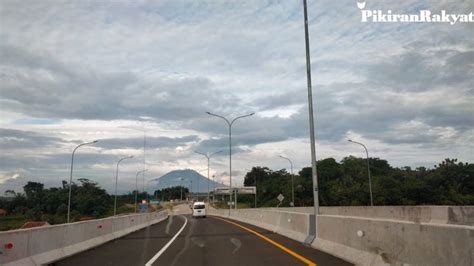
point(380, 16)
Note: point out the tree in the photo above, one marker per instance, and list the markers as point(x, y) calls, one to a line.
point(10, 193)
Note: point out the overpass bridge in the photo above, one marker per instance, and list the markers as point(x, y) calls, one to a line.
point(416, 235)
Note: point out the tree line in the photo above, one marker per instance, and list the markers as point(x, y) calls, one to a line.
point(343, 183)
point(88, 201)
point(346, 183)
point(171, 193)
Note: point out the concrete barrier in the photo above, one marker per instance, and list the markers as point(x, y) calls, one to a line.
point(461, 215)
point(395, 242)
point(36, 246)
point(295, 225)
point(382, 235)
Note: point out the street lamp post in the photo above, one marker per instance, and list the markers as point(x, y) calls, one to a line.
point(181, 190)
point(70, 177)
point(230, 123)
point(136, 187)
point(208, 156)
point(368, 170)
point(292, 181)
point(144, 152)
point(197, 182)
point(116, 182)
point(190, 189)
point(146, 188)
point(314, 171)
point(214, 190)
point(255, 176)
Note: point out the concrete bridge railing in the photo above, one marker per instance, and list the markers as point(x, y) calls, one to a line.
point(382, 235)
point(294, 225)
point(42, 245)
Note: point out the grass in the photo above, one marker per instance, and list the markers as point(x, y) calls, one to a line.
point(11, 222)
point(123, 209)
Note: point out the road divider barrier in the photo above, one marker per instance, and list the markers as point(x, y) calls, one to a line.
point(382, 235)
point(43, 245)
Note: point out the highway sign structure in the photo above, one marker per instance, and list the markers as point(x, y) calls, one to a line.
point(239, 190)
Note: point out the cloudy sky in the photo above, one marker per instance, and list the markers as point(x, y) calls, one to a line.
point(77, 71)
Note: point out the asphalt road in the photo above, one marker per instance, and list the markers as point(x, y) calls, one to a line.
point(203, 241)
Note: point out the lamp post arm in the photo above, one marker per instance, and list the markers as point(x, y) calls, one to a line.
point(368, 170)
point(207, 156)
point(292, 179)
point(212, 154)
point(239, 117)
point(116, 182)
point(227, 121)
point(70, 176)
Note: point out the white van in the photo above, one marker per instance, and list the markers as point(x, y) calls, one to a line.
point(199, 209)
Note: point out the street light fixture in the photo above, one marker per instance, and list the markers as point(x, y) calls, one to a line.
point(208, 156)
point(230, 123)
point(292, 181)
point(116, 182)
point(368, 170)
point(70, 177)
point(136, 187)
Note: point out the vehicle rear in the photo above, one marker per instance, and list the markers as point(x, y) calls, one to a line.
point(199, 209)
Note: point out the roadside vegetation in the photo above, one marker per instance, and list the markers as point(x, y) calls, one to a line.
point(37, 203)
point(343, 183)
point(346, 183)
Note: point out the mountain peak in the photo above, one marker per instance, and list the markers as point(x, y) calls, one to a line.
point(186, 178)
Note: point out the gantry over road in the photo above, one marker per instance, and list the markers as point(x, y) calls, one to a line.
point(183, 240)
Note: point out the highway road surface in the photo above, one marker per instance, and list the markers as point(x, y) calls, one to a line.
point(183, 240)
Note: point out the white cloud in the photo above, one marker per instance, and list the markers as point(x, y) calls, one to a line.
point(79, 71)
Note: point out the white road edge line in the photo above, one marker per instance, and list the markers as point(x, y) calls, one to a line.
point(163, 249)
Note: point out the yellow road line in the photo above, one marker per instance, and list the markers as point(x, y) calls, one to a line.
point(287, 250)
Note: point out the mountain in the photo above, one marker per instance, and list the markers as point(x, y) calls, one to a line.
point(188, 176)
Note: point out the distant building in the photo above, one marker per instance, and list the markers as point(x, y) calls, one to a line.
point(34, 224)
point(3, 212)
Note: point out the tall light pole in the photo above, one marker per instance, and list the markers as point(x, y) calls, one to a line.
point(255, 176)
point(230, 123)
point(197, 184)
point(311, 119)
point(116, 182)
point(144, 152)
point(146, 188)
point(292, 181)
point(208, 156)
point(181, 189)
point(136, 187)
point(191, 190)
point(70, 177)
point(368, 170)
point(214, 190)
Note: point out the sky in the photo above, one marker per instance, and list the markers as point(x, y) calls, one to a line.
point(118, 71)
